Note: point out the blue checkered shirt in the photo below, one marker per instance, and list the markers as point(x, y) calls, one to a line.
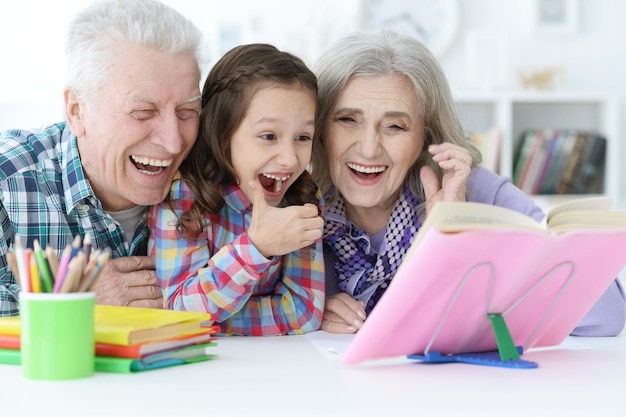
point(45, 195)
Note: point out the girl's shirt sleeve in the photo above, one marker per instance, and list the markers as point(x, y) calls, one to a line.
point(245, 292)
point(295, 304)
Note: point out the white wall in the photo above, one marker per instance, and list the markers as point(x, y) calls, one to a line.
point(593, 58)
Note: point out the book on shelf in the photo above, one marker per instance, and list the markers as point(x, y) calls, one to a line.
point(472, 260)
point(528, 147)
point(120, 325)
point(560, 161)
point(587, 174)
point(564, 143)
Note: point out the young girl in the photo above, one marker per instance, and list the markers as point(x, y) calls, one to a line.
point(240, 233)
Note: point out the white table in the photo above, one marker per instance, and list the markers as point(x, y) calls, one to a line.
point(298, 376)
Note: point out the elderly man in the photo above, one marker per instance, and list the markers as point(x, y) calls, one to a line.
point(132, 101)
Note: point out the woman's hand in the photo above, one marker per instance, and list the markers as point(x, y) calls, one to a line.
point(456, 164)
point(342, 314)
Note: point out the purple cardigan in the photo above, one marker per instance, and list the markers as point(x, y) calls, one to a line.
point(608, 315)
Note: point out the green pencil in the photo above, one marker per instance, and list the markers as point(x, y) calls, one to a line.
point(47, 282)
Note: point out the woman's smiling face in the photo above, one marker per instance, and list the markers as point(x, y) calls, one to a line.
point(372, 138)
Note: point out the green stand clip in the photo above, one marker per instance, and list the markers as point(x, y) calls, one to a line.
point(506, 347)
point(507, 355)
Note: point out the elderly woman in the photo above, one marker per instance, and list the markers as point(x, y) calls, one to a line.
point(391, 145)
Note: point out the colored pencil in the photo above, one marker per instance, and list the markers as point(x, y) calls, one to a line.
point(45, 274)
point(12, 261)
point(63, 265)
point(51, 256)
point(22, 265)
point(74, 272)
point(35, 280)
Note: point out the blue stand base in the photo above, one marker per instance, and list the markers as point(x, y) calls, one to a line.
point(492, 358)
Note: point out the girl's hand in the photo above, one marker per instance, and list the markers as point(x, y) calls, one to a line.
point(456, 164)
point(277, 231)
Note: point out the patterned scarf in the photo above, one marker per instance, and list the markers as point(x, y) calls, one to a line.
point(360, 271)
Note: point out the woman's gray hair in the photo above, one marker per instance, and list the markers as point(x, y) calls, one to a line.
point(380, 54)
point(96, 33)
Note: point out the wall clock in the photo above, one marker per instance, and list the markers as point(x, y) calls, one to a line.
point(433, 22)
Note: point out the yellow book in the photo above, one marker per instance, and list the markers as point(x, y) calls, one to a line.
point(130, 325)
point(10, 325)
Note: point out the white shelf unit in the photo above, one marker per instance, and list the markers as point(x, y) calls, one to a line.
point(513, 112)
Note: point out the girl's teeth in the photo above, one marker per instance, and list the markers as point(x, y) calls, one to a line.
point(278, 185)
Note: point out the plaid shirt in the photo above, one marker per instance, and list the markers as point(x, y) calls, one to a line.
point(223, 273)
point(45, 195)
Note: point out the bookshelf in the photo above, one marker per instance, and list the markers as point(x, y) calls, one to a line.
point(511, 113)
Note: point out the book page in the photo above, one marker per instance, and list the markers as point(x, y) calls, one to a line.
point(456, 216)
point(584, 213)
point(591, 203)
point(453, 216)
point(587, 219)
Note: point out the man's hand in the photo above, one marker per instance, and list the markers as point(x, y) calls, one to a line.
point(342, 314)
point(129, 281)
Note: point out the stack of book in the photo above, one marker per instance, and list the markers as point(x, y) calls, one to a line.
point(130, 339)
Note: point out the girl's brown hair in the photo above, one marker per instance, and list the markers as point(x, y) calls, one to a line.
point(226, 96)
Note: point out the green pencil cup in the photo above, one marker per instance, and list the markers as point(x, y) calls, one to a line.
point(57, 335)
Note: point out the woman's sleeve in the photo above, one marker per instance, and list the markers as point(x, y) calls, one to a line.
point(607, 316)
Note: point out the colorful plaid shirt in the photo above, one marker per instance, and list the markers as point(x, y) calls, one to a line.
point(45, 195)
point(223, 273)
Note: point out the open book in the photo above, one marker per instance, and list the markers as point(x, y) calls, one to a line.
point(583, 213)
point(472, 260)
